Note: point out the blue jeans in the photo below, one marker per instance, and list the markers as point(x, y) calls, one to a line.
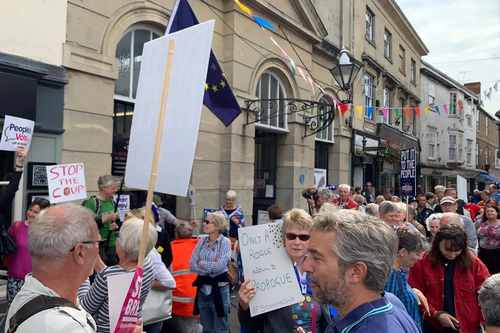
point(153, 328)
point(208, 315)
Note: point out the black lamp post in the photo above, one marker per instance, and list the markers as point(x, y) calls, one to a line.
point(364, 162)
point(344, 73)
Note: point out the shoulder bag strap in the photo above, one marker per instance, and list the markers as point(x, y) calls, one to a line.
point(125, 268)
point(314, 316)
point(400, 284)
point(16, 228)
point(36, 305)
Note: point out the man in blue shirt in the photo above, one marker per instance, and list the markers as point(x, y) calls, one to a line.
point(350, 257)
point(494, 195)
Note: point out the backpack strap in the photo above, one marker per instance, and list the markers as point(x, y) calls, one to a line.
point(97, 205)
point(36, 305)
point(16, 228)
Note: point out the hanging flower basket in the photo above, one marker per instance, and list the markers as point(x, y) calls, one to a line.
point(392, 155)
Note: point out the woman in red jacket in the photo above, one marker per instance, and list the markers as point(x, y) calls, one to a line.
point(450, 276)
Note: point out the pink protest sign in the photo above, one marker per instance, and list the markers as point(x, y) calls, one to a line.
point(130, 307)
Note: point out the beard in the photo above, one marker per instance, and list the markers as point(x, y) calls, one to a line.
point(333, 292)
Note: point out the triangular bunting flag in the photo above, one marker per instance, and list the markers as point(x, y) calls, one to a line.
point(445, 107)
point(369, 111)
point(243, 7)
point(396, 111)
point(294, 69)
point(407, 111)
point(263, 23)
point(343, 109)
point(302, 73)
point(426, 110)
point(360, 111)
point(460, 105)
point(417, 111)
point(311, 82)
point(384, 112)
point(437, 109)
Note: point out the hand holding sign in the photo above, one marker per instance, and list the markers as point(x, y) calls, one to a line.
point(246, 293)
point(21, 156)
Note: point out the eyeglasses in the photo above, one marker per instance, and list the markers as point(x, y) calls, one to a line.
point(99, 241)
point(303, 238)
point(207, 222)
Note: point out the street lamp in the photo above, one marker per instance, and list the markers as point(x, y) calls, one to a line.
point(364, 162)
point(344, 73)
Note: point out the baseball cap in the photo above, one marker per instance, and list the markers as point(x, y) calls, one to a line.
point(448, 200)
point(157, 200)
point(412, 199)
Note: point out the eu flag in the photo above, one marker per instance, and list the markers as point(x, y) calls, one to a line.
point(219, 97)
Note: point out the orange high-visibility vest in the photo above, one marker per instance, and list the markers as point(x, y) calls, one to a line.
point(184, 294)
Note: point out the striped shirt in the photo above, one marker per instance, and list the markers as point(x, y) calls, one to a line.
point(208, 255)
point(94, 298)
point(398, 285)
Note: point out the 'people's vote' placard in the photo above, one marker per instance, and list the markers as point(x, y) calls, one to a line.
point(66, 182)
point(267, 264)
point(16, 132)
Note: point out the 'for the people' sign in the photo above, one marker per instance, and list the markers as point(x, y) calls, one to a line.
point(408, 177)
point(66, 182)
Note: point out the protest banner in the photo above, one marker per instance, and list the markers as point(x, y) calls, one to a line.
point(157, 111)
point(408, 176)
point(462, 188)
point(16, 132)
point(267, 264)
point(66, 182)
point(125, 315)
point(319, 178)
point(123, 205)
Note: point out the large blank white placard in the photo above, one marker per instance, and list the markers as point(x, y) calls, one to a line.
point(462, 188)
point(183, 111)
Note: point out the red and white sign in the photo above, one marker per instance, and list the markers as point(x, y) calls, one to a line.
point(123, 318)
point(16, 132)
point(66, 182)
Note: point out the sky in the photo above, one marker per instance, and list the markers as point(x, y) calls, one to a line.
point(455, 30)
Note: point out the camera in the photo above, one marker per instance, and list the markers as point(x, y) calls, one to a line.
point(310, 195)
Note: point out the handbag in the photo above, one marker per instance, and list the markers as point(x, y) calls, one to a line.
point(232, 272)
point(6, 260)
point(158, 306)
point(7, 244)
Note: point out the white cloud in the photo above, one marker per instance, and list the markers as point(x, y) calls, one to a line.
point(456, 30)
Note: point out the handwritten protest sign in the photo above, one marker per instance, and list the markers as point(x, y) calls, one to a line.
point(267, 264)
point(124, 308)
point(66, 182)
point(123, 205)
point(408, 176)
point(16, 132)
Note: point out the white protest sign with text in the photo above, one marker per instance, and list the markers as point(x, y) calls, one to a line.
point(16, 132)
point(462, 188)
point(66, 182)
point(267, 264)
point(123, 205)
point(182, 114)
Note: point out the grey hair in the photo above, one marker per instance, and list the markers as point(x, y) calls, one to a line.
point(348, 187)
point(411, 240)
point(231, 194)
point(401, 207)
point(220, 221)
point(360, 237)
point(325, 193)
point(56, 231)
point(411, 210)
point(489, 299)
point(329, 207)
point(359, 199)
point(184, 230)
point(432, 217)
point(446, 191)
point(453, 218)
point(439, 188)
point(372, 209)
point(387, 207)
point(379, 199)
point(105, 181)
point(130, 238)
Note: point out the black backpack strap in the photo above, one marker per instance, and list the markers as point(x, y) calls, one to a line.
point(36, 305)
point(97, 205)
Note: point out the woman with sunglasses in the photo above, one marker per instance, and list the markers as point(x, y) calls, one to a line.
point(450, 277)
point(210, 261)
point(19, 262)
point(309, 315)
point(488, 235)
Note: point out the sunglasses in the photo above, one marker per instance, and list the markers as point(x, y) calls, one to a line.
point(303, 238)
point(207, 222)
point(100, 242)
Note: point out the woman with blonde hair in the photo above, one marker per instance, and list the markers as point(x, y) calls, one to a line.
point(310, 315)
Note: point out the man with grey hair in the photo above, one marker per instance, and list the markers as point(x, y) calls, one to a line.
point(105, 217)
point(439, 192)
point(350, 257)
point(489, 299)
point(63, 243)
point(344, 201)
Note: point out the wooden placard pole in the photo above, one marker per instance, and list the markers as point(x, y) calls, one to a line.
point(156, 153)
point(193, 208)
point(407, 210)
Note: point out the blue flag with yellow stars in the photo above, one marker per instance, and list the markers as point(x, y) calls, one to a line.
point(219, 97)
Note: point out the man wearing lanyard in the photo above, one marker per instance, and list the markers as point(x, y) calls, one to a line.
point(350, 257)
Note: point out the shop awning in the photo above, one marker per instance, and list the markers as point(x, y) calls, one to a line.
point(489, 178)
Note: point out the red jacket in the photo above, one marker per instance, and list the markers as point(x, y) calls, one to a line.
point(351, 204)
point(430, 281)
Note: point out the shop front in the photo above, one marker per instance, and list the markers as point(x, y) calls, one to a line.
point(364, 164)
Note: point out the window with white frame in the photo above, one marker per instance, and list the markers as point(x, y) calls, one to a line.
point(487, 126)
point(400, 120)
point(324, 111)
point(477, 120)
point(497, 160)
point(452, 155)
point(368, 94)
point(431, 143)
point(432, 93)
point(387, 104)
point(387, 44)
point(413, 71)
point(469, 120)
point(460, 148)
point(402, 59)
point(469, 152)
point(486, 156)
point(453, 103)
point(477, 155)
point(273, 113)
point(370, 20)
